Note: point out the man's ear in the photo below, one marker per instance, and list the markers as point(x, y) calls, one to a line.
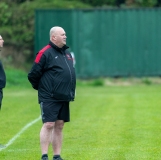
point(54, 38)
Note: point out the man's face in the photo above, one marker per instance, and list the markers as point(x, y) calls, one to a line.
point(1, 42)
point(60, 38)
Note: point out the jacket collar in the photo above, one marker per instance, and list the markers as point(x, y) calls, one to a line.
point(57, 48)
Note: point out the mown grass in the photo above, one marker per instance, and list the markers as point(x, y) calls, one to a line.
point(107, 123)
point(16, 78)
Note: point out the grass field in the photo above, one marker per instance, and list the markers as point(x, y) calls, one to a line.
point(107, 123)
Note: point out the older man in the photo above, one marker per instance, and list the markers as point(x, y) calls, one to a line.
point(2, 74)
point(53, 75)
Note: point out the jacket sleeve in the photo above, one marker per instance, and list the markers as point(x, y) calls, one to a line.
point(2, 76)
point(36, 72)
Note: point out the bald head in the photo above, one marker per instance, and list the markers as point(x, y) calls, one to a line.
point(58, 36)
point(54, 30)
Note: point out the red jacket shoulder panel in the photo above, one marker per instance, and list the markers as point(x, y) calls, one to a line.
point(40, 53)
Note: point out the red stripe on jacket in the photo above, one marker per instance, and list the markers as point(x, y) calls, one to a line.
point(40, 53)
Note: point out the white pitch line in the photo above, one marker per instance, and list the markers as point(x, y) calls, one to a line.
point(19, 133)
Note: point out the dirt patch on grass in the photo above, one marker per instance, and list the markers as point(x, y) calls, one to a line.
point(132, 81)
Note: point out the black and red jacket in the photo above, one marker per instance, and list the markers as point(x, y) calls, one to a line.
point(53, 74)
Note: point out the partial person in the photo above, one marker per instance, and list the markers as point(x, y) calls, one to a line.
point(53, 75)
point(2, 74)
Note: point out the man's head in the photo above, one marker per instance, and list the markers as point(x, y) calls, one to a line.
point(58, 36)
point(1, 41)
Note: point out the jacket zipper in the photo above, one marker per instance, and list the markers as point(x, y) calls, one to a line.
point(69, 71)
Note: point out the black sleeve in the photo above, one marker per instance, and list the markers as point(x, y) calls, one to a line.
point(2, 76)
point(36, 72)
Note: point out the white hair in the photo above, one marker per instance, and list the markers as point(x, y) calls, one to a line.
point(53, 30)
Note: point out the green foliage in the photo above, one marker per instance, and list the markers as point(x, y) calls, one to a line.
point(18, 22)
point(94, 82)
point(100, 2)
point(97, 82)
point(147, 3)
point(146, 81)
point(5, 15)
point(129, 3)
